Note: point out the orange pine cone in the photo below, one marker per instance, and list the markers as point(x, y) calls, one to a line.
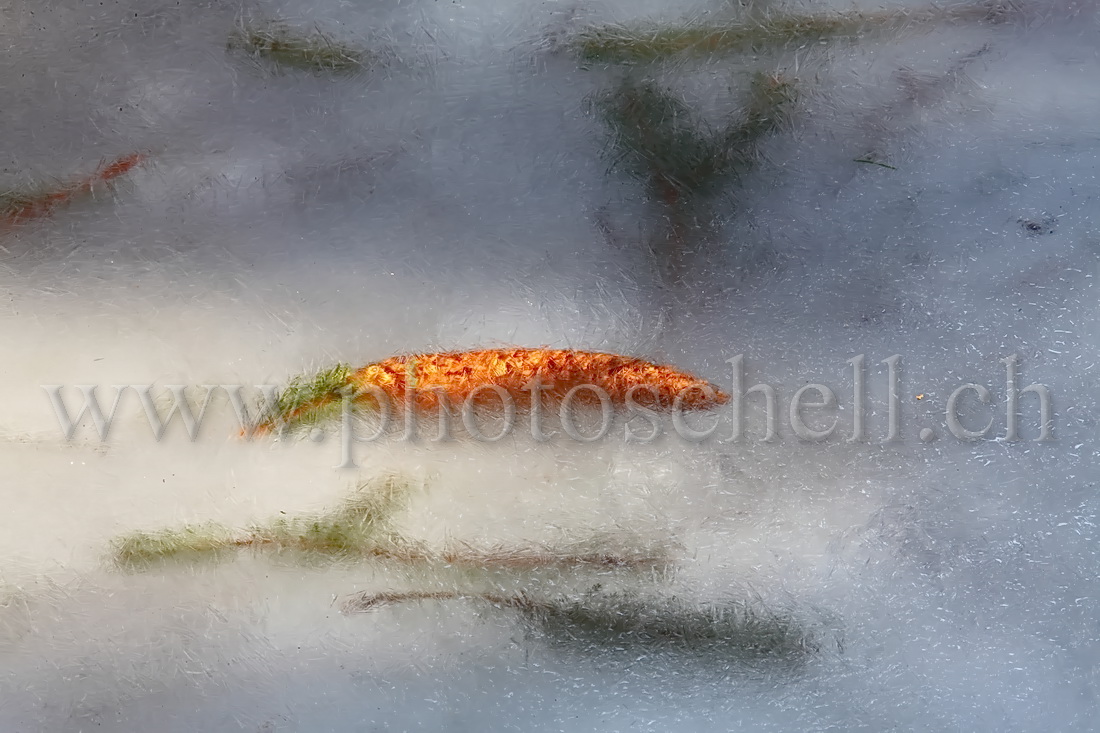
point(482, 377)
point(462, 375)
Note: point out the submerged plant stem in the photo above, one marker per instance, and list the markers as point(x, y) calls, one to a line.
point(874, 162)
point(359, 529)
point(615, 618)
point(18, 207)
point(683, 161)
point(621, 44)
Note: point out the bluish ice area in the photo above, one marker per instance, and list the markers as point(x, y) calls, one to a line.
point(933, 194)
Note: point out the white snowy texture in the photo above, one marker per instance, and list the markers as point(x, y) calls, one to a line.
point(457, 192)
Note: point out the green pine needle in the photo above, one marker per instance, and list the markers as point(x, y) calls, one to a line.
point(287, 48)
point(141, 549)
point(357, 528)
point(310, 400)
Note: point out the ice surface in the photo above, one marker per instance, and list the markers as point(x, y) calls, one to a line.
point(458, 192)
